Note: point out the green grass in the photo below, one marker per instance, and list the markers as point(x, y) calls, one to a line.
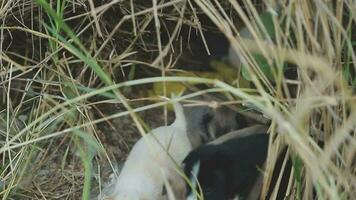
point(66, 67)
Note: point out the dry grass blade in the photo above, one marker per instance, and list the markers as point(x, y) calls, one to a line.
point(72, 72)
point(321, 74)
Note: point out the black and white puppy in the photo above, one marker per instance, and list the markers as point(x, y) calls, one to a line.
point(226, 167)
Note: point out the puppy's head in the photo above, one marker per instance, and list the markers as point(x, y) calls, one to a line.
point(205, 124)
point(220, 121)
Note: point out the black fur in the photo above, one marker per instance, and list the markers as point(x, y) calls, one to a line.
point(281, 191)
point(230, 168)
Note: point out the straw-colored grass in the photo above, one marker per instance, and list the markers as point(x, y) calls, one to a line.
point(70, 71)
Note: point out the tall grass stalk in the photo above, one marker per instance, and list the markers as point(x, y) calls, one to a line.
point(63, 75)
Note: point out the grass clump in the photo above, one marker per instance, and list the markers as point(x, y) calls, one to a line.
point(71, 71)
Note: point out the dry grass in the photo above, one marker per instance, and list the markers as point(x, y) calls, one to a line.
point(71, 75)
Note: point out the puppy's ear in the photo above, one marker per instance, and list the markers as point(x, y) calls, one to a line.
point(189, 161)
point(197, 155)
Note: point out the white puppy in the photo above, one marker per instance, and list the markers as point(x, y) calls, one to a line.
point(152, 164)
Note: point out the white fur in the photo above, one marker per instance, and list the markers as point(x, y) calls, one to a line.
point(148, 165)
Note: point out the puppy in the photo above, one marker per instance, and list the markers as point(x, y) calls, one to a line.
point(152, 164)
point(205, 124)
point(226, 168)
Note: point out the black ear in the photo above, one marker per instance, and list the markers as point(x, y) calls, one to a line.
point(205, 155)
point(201, 153)
point(190, 160)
